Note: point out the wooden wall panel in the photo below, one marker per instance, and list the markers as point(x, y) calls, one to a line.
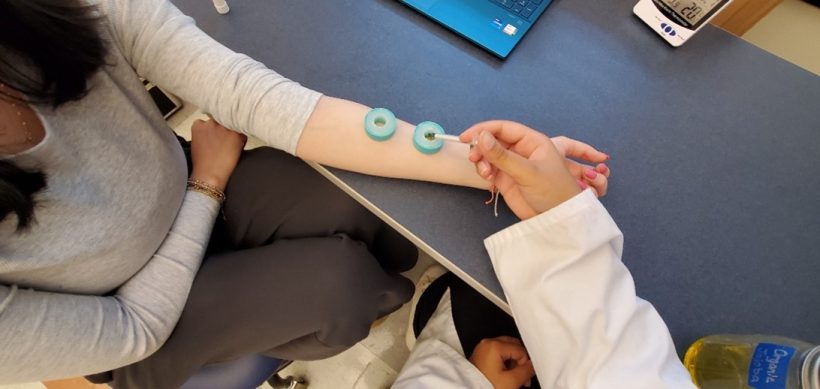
point(741, 15)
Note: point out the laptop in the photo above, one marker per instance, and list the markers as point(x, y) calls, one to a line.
point(495, 25)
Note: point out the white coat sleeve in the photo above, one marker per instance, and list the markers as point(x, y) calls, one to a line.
point(575, 305)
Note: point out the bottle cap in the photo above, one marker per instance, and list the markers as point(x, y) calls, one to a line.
point(221, 6)
point(811, 369)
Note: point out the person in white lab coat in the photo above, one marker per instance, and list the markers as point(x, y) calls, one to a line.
point(571, 296)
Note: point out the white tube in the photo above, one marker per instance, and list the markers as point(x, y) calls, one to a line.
point(448, 138)
point(453, 138)
point(221, 6)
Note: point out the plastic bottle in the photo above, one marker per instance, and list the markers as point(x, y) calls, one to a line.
point(753, 361)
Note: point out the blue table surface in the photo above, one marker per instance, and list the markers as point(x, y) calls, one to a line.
point(715, 145)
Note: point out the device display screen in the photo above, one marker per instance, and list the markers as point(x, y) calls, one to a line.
point(690, 13)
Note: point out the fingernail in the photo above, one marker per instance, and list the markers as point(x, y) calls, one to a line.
point(607, 156)
point(483, 168)
point(582, 184)
point(487, 139)
point(591, 174)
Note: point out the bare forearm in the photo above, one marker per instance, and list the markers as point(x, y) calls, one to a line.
point(334, 136)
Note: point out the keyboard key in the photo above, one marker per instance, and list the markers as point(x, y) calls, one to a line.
point(524, 8)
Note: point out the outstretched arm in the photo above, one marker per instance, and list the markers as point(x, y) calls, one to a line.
point(165, 46)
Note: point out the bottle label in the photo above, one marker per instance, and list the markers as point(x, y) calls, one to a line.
point(770, 365)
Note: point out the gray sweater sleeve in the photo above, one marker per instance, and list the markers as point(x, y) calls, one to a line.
point(79, 335)
point(166, 47)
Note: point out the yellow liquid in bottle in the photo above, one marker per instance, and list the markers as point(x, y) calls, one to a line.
point(722, 361)
point(719, 365)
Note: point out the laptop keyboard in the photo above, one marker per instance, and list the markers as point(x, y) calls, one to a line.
point(522, 8)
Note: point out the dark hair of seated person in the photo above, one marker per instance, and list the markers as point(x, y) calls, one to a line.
point(48, 51)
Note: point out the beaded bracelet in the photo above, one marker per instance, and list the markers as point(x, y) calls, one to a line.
point(208, 190)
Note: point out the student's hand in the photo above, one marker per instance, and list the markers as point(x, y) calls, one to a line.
point(523, 164)
point(594, 177)
point(504, 362)
point(215, 151)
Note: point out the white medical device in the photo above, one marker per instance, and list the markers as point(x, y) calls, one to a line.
point(677, 20)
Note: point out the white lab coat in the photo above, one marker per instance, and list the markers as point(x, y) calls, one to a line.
point(575, 305)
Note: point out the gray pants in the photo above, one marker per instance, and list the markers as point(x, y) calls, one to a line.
point(296, 269)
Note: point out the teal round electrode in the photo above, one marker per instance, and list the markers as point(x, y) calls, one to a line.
point(424, 137)
point(380, 124)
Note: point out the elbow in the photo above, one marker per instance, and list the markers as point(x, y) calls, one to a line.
point(147, 332)
point(152, 343)
point(149, 338)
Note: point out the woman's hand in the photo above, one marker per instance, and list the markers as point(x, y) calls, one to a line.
point(531, 170)
point(215, 151)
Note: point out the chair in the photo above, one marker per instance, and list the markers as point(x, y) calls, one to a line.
point(244, 373)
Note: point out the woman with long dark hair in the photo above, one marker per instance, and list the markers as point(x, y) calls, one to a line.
point(103, 228)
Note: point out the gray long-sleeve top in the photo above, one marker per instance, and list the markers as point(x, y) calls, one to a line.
point(100, 280)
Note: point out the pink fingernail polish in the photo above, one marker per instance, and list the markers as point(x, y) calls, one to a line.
point(591, 174)
point(582, 184)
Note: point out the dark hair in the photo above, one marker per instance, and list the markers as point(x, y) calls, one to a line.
point(48, 51)
point(17, 188)
point(59, 40)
